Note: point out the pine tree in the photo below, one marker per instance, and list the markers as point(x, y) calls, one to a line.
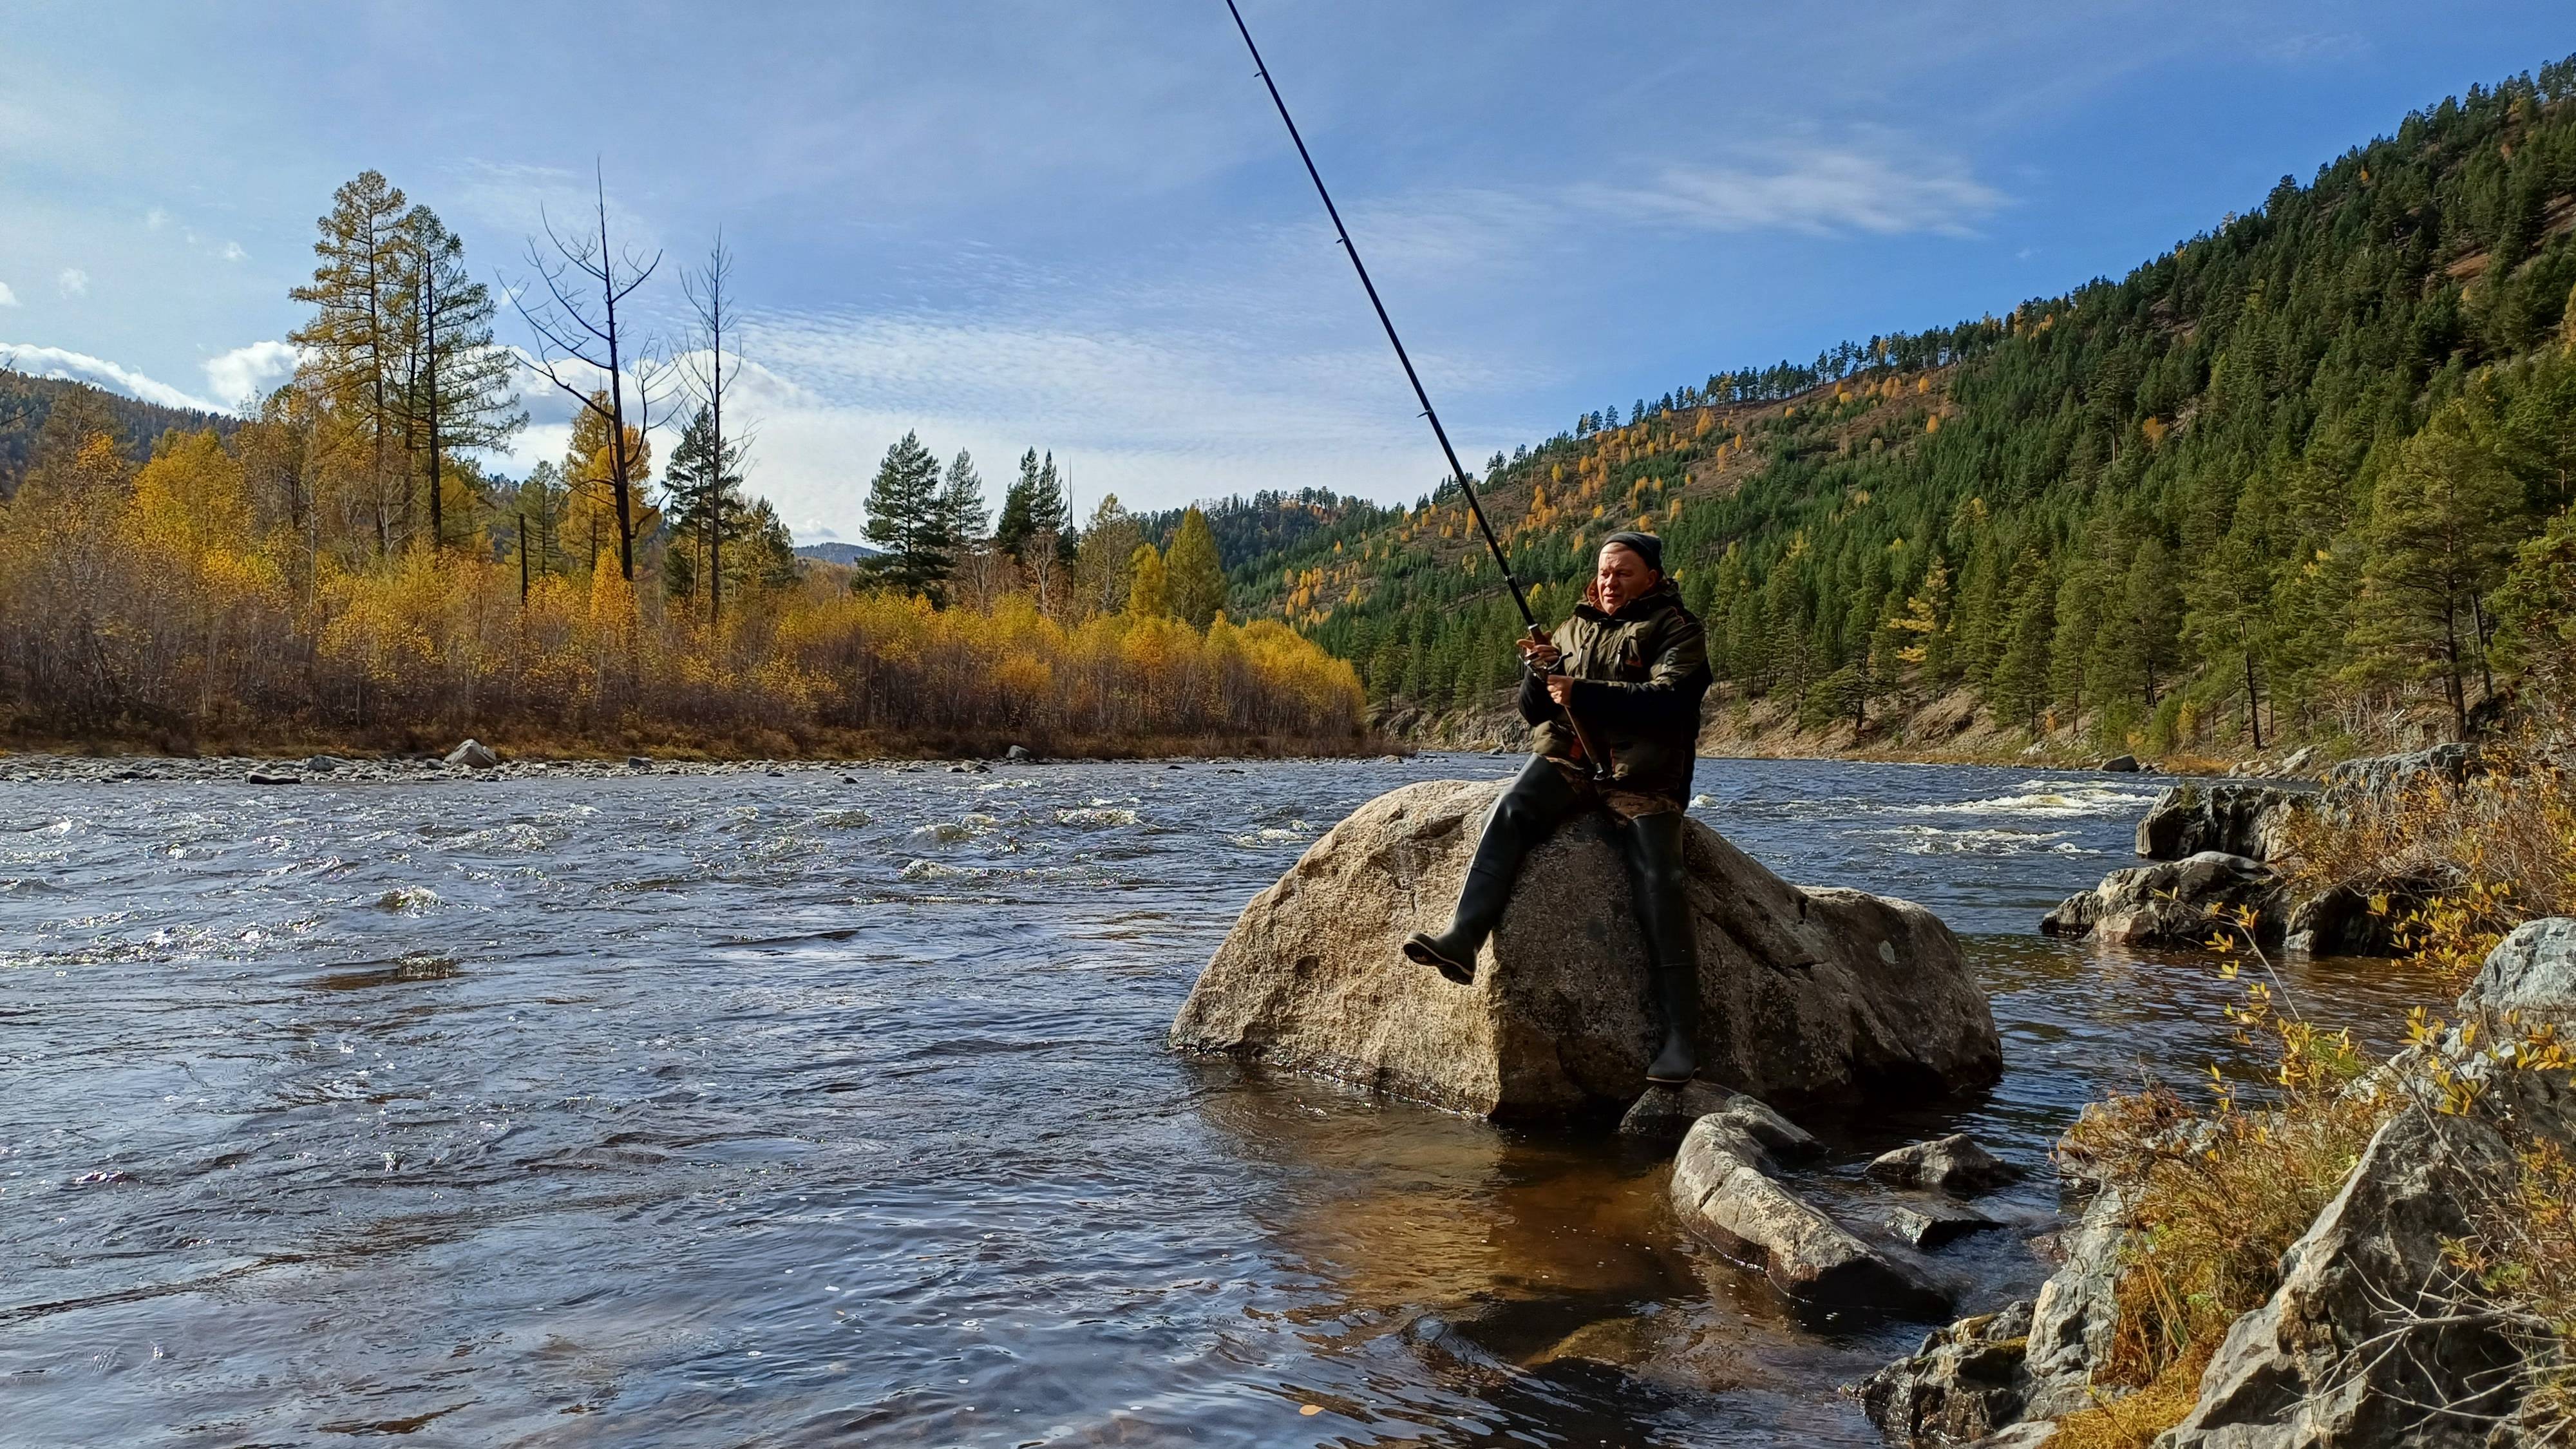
point(2436, 540)
point(2019, 686)
point(962, 516)
point(354, 345)
point(708, 512)
point(1149, 593)
point(1197, 575)
point(460, 390)
point(907, 523)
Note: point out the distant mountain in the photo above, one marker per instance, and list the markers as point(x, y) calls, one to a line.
point(26, 401)
point(844, 554)
point(1270, 521)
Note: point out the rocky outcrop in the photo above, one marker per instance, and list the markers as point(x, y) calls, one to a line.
point(2248, 820)
point(2072, 1320)
point(1952, 1164)
point(2388, 774)
point(1806, 994)
point(1723, 1190)
point(2531, 973)
point(1666, 1114)
point(2363, 1343)
point(2171, 903)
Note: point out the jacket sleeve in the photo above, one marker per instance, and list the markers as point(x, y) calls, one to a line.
point(1667, 698)
point(1536, 707)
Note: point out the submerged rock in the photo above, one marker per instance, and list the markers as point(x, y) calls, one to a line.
point(2171, 903)
point(1666, 1114)
point(1930, 1225)
point(1723, 1190)
point(1953, 1164)
point(2248, 820)
point(1806, 994)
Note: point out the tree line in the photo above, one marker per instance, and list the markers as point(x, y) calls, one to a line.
point(345, 564)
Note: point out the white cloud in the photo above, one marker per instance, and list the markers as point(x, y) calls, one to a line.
point(72, 282)
point(244, 375)
point(7, 297)
point(233, 252)
point(1878, 183)
point(80, 367)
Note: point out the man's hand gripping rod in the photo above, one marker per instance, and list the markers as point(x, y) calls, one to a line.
point(1593, 756)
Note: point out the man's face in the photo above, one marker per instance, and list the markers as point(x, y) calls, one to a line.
point(1621, 576)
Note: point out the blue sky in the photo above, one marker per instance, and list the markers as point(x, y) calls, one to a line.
point(1079, 227)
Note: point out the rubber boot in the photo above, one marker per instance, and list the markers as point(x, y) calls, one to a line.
point(1652, 846)
point(1677, 998)
point(1480, 908)
point(1520, 819)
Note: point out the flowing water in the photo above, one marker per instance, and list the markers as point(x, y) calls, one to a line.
point(739, 1110)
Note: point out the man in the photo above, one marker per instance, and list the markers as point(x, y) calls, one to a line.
point(1634, 665)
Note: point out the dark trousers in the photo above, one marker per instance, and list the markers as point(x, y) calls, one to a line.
point(1650, 845)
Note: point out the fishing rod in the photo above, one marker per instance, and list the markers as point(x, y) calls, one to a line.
point(1592, 753)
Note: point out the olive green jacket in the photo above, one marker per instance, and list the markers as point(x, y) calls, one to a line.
point(1639, 675)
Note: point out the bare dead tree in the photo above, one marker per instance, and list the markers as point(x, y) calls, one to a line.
point(709, 369)
point(571, 327)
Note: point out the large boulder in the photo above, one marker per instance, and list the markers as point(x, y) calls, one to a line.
point(2248, 820)
point(1723, 1190)
point(2170, 903)
point(2366, 1342)
point(1806, 994)
point(2077, 1312)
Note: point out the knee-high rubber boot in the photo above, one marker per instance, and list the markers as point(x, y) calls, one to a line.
point(1519, 820)
point(1656, 874)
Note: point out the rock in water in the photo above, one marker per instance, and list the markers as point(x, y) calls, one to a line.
point(2120, 765)
point(2248, 820)
point(1934, 1224)
point(2330, 1358)
point(1723, 1190)
point(1954, 1164)
point(2170, 903)
point(474, 753)
point(1965, 1383)
point(1807, 994)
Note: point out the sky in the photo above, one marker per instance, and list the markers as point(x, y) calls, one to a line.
point(1080, 227)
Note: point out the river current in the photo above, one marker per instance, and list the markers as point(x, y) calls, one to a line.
point(751, 1110)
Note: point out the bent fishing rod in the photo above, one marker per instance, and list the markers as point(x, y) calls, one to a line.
point(1597, 761)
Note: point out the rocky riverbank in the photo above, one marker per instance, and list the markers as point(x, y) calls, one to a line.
point(2415, 1308)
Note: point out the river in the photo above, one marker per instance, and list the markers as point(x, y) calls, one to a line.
point(751, 1110)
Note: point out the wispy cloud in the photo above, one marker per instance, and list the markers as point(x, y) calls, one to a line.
point(244, 375)
point(98, 372)
point(72, 282)
point(1880, 183)
point(7, 297)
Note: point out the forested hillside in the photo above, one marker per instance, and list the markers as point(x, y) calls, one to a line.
point(25, 403)
point(2306, 475)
